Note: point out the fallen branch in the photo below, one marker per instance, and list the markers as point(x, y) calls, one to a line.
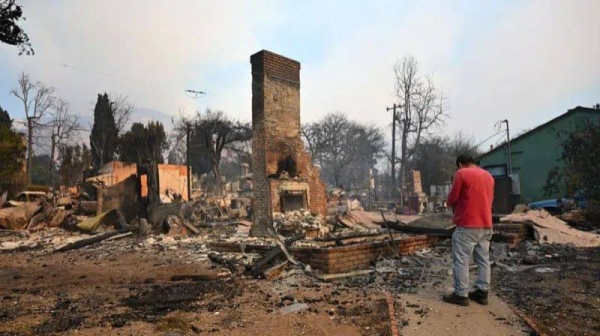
point(121, 226)
point(86, 242)
point(262, 263)
point(393, 242)
point(284, 249)
point(119, 236)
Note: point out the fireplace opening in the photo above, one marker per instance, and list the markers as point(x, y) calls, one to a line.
point(289, 165)
point(293, 200)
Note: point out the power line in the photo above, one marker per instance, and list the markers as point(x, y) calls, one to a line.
point(487, 139)
point(501, 140)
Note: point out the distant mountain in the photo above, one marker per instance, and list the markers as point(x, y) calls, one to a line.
point(144, 115)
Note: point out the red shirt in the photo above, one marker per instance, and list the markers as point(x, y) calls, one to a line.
point(471, 197)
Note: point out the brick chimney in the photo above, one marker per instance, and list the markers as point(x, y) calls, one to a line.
point(283, 175)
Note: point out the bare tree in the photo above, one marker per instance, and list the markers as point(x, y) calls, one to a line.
point(313, 135)
point(344, 149)
point(122, 109)
point(176, 154)
point(37, 100)
point(421, 109)
point(215, 133)
point(62, 126)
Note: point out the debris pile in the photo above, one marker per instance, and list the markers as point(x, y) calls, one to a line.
point(19, 217)
point(552, 230)
point(294, 222)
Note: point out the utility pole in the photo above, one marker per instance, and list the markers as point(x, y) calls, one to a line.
point(187, 161)
point(498, 128)
point(195, 94)
point(509, 159)
point(394, 117)
point(370, 181)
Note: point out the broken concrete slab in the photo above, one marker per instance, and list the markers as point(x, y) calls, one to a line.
point(434, 224)
point(363, 220)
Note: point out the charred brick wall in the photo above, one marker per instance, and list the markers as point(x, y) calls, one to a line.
point(276, 135)
point(122, 196)
point(359, 256)
point(173, 177)
point(512, 233)
point(344, 258)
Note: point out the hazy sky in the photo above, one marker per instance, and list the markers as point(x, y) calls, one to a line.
point(526, 61)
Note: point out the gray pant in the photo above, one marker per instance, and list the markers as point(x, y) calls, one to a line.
point(467, 243)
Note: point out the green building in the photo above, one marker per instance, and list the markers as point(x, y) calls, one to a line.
point(533, 155)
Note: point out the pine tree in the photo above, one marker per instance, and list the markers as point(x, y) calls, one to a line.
point(12, 155)
point(104, 136)
point(5, 118)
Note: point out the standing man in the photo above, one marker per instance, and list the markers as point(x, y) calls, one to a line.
point(471, 198)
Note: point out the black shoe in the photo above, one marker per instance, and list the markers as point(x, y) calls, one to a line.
point(479, 296)
point(456, 299)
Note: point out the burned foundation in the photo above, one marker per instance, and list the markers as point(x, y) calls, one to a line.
point(283, 175)
point(345, 258)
